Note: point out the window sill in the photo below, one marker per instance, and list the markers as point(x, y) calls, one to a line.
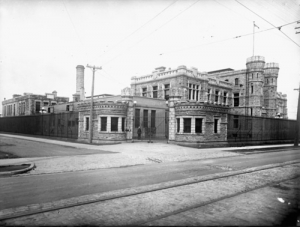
point(111, 132)
point(189, 133)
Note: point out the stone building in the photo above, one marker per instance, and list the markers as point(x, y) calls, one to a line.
point(181, 105)
point(31, 104)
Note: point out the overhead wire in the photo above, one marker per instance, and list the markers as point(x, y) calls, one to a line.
point(140, 27)
point(278, 27)
point(232, 10)
point(235, 37)
point(86, 55)
point(151, 32)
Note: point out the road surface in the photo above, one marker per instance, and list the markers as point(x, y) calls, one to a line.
point(25, 190)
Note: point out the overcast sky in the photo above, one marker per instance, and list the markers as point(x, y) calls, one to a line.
point(42, 41)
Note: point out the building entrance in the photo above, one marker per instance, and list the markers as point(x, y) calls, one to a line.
point(153, 126)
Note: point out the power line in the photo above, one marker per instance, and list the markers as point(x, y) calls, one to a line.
point(153, 32)
point(232, 10)
point(140, 27)
point(75, 29)
point(279, 28)
point(239, 36)
point(110, 76)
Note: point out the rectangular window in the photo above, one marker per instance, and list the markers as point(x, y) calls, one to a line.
point(67, 107)
point(137, 118)
point(236, 97)
point(194, 94)
point(198, 126)
point(37, 107)
point(145, 119)
point(236, 81)
point(225, 98)
point(167, 91)
point(217, 96)
point(23, 108)
point(144, 93)
point(187, 125)
point(251, 89)
point(123, 124)
point(208, 95)
point(178, 124)
point(235, 121)
point(155, 92)
point(87, 123)
point(114, 124)
point(103, 124)
point(216, 125)
point(153, 115)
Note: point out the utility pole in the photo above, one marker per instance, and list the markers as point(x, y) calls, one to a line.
point(92, 102)
point(298, 120)
point(298, 109)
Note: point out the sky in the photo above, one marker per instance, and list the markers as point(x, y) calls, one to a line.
point(42, 41)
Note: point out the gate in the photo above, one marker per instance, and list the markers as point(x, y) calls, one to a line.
point(155, 127)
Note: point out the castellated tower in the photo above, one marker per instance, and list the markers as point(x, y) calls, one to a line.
point(80, 94)
point(254, 90)
point(270, 88)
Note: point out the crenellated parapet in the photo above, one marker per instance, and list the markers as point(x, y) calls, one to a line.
point(271, 69)
point(255, 63)
point(162, 74)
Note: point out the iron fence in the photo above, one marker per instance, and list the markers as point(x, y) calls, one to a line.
point(248, 128)
point(56, 125)
point(152, 129)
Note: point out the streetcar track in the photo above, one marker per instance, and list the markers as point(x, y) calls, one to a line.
point(212, 201)
point(148, 189)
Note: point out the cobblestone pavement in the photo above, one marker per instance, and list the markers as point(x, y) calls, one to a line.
point(126, 154)
point(183, 204)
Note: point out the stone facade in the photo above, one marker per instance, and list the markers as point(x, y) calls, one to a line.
point(199, 102)
point(255, 88)
point(31, 104)
point(110, 121)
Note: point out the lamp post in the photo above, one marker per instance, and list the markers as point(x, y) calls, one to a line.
point(42, 112)
point(296, 142)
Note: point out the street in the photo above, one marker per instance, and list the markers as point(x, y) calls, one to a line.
point(20, 191)
point(56, 190)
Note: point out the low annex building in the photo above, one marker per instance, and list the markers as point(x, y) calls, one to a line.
point(31, 104)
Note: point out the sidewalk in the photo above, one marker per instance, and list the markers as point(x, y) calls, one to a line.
point(128, 154)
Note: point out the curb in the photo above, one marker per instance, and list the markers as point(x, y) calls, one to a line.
point(87, 199)
point(32, 165)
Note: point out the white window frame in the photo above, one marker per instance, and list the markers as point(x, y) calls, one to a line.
point(193, 124)
point(108, 123)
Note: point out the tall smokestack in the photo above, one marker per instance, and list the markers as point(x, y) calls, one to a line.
point(80, 81)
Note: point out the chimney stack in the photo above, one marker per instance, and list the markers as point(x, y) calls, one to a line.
point(80, 81)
